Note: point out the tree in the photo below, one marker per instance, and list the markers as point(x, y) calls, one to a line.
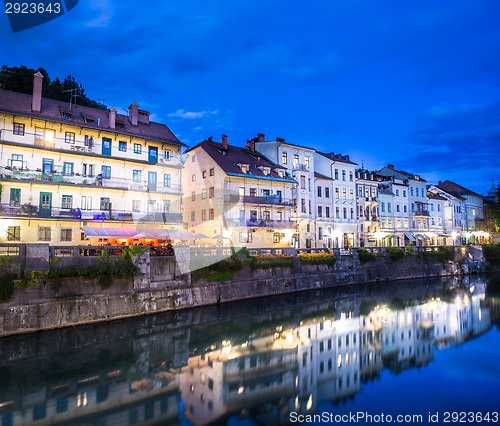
point(20, 79)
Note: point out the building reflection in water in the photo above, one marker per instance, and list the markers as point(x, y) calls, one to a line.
point(159, 373)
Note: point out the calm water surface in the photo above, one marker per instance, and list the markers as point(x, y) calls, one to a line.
point(418, 348)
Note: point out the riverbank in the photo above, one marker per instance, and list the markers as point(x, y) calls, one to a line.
point(77, 300)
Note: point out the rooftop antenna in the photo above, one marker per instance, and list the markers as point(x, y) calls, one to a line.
point(73, 94)
point(362, 164)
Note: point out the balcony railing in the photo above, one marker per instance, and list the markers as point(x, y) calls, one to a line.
point(421, 213)
point(8, 173)
point(260, 223)
point(31, 210)
point(275, 200)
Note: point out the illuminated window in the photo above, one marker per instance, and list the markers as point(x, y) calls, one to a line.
point(18, 129)
point(69, 137)
point(137, 148)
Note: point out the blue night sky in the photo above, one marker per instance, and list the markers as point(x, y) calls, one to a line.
point(415, 84)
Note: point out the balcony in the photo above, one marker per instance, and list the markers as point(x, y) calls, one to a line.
point(53, 212)
point(8, 173)
point(260, 223)
point(301, 167)
point(421, 213)
point(274, 200)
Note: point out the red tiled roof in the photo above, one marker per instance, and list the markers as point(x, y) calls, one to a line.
point(20, 104)
point(321, 176)
point(337, 157)
point(228, 160)
point(455, 189)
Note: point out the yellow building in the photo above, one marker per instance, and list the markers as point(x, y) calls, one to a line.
point(237, 196)
point(70, 172)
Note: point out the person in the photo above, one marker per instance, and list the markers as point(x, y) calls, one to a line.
point(170, 250)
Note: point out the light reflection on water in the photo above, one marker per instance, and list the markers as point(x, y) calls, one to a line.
point(401, 348)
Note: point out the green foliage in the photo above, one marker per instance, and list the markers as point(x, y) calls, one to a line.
point(442, 254)
point(265, 262)
point(129, 252)
point(6, 287)
point(20, 79)
point(223, 270)
point(31, 278)
point(365, 255)
point(115, 267)
point(492, 254)
point(317, 259)
point(5, 261)
point(395, 253)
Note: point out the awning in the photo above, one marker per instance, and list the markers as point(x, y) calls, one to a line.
point(420, 236)
point(410, 237)
point(109, 232)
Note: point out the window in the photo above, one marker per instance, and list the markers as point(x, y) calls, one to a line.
point(66, 234)
point(276, 237)
point(320, 211)
point(352, 213)
point(69, 137)
point(320, 232)
point(13, 233)
point(327, 192)
point(104, 205)
point(193, 195)
point(319, 191)
point(295, 161)
point(167, 180)
point(136, 176)
point(15, 197)
point(284, 158)
point(193, 216)
point(337, 193)
point(351, 178)
point(211, 214)
point(303, 205)
point(245, 237)
point(68, 168)
point(212, 171)
point(86, 203)
point(404, 192)
point(405, 209)
point(343, 174)
point(62, 404)
point(327, 211)
point(351, 194)
point(203, 194)
point(67, 202)
point(345, 212)
point(306, 161)
point(382, 207)
point(253, 192)
point(344, 194)
point(39, 411)
point(44, 233)
point(136, 205)
point(211, 192)
point(336, 174)
point(411, 191)
point(18, 129)
point(122, 146)
point(204, 214)
point(167, 155)
point(303, 182)
point(397, 208)
point(106, 172)
point(337, 212)
point(204, 174)
point(193, 178)
point(397, 192)
point(389, 207)
point(137, 148)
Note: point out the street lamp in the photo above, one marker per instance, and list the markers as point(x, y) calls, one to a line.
point(454, 236)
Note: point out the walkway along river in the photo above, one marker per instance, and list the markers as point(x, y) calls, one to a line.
point(411, 348)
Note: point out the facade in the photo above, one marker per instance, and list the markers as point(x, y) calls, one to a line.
point(238, 196)
point(368, 207)
point(342, 170)
point(66, 169)
point(299, 163)
point(466, 208)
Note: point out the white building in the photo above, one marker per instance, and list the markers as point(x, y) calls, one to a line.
point(368, 206)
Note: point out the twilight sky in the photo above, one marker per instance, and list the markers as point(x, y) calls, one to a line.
point(415, 84)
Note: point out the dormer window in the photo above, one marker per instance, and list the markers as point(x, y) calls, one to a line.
point(265, 170)
point(88, 119)
point(281, 173)
point(244, 168)
point(66, 114)
point(120, 124)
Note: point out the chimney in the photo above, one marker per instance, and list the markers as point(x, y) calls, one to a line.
point(260, 137)
point(251, 145)
point(390, 166)
point(36, 102)
point(133, 113)
point(224, 142)
point(143, 116)
point(280, 140)
point(112, 118)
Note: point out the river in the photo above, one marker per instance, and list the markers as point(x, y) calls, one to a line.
point(415, 352)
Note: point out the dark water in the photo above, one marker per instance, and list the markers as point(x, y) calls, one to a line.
point(417, 348)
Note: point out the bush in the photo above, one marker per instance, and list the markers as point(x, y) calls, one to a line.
point(492, 253)
point(317, 259)
point(265, 262)
point(395, 253)
point(365, 255)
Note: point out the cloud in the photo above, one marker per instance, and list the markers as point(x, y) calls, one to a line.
point(460, 141)
point(180, 113)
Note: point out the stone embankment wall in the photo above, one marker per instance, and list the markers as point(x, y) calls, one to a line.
point(73, 301)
